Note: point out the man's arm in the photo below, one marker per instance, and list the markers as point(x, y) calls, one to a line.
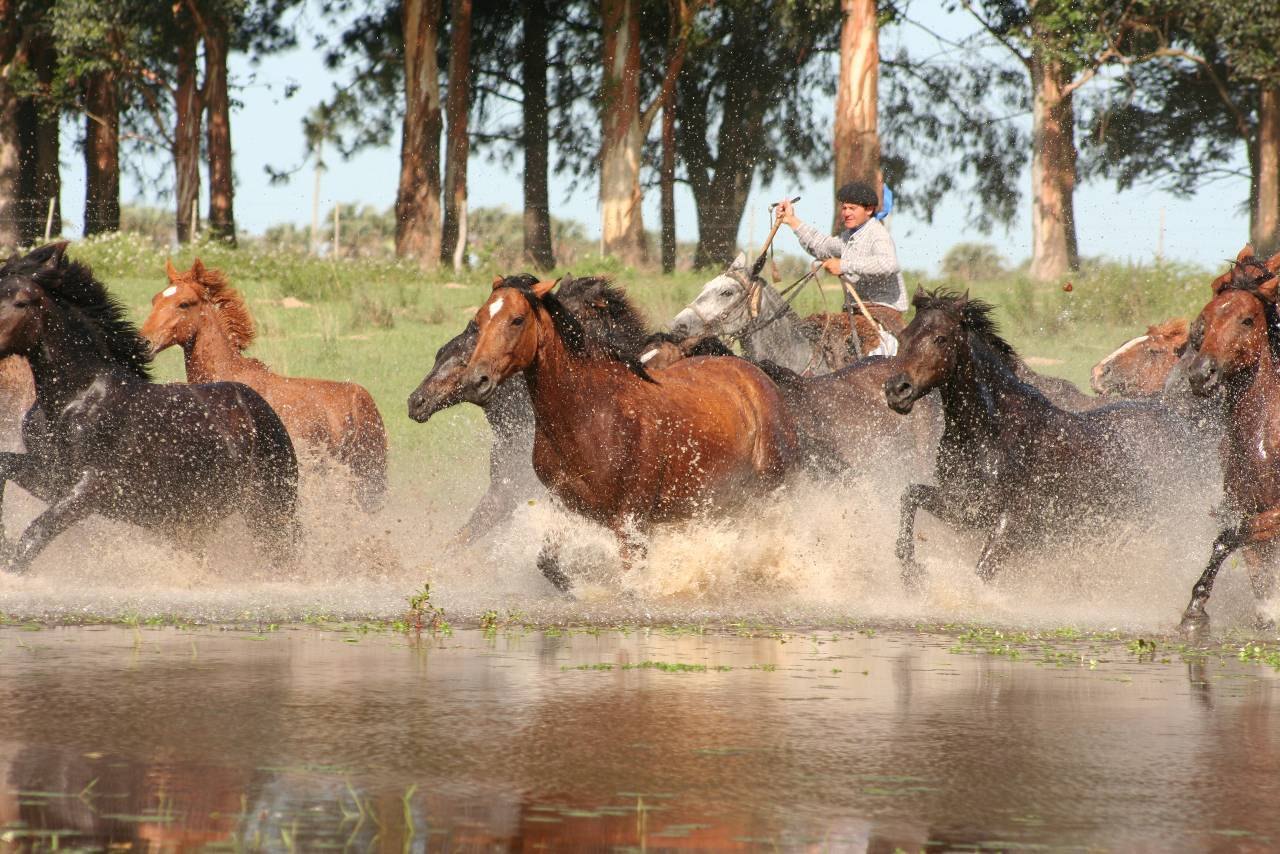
point(817, 244)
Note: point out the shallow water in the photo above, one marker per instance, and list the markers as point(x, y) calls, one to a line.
point(302, 739)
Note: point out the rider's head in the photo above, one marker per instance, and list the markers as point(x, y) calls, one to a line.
point(858, 202)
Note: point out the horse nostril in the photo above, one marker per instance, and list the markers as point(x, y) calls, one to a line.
point(902, 389)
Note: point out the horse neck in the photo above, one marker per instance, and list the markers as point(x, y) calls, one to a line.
point(1259, 387)
point(969, 396)
point(210, 354)
point(780, 339)
point(560, 382)
point(65, 364)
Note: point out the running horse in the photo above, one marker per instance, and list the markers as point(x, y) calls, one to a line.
point(605, 313)
point(613, 443)
point(1236, 349)
point(1010, 463)
point(102, 438)
point(201, 313)
point(1140, 366)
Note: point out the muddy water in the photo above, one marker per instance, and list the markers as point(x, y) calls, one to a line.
point(302, 739)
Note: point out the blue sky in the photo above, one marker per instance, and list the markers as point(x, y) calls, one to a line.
point(266, 129)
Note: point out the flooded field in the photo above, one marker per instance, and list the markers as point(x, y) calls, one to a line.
point(742, 737)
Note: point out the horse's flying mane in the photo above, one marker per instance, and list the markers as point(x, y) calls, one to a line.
point(975, 315)
point(86, 303)
point(571, 330)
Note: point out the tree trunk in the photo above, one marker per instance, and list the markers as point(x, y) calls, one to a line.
point(537, 208)
point(101, 155)
point(667, 181)
point(188, 109)
point(857, 141)
point(1053, 173)
point(9, 142)
point(457, 108)
point(1265, 225)
point(48, 163)
point(621, 139)
point(418, 194)
point(222, 221)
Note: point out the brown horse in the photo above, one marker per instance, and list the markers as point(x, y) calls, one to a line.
point(612, 442)
point(17, 394)
point(1237, 358)
point(1139, 367)
point(204, 315)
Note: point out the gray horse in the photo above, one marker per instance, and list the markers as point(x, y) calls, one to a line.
point(765, 323)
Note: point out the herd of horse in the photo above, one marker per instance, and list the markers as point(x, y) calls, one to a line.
point(634, 429)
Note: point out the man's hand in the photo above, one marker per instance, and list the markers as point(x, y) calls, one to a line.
point(785, 213)
point(832, 266)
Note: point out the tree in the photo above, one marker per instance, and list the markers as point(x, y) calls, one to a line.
point(418, 194)
point(857, 140)
point(457, 145)
point(10, 144)
point(534, 116)
point(1062, 44)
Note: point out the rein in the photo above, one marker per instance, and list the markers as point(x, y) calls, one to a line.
point(752, 293)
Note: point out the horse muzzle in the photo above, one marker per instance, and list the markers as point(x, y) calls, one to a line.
point(686, 323)
point(422, 407)
point(900, 393)
point(1204, 376)
point(478, 388)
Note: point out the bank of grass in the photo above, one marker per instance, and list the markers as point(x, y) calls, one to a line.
point(379, 322)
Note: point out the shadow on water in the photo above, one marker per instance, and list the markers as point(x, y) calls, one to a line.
point(301, 739)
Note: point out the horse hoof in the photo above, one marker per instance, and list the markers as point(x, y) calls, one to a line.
point(1194, 624)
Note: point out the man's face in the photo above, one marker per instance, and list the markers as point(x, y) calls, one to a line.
point(855, 216)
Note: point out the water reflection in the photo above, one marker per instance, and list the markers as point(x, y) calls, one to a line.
point(305, 739)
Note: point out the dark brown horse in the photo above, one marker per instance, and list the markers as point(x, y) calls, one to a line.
point(1010, 463)
point(201, 313)
point(102, 438)
point(606, 314)
point(611, 442)
point(1237, 359)
point(1140, 366)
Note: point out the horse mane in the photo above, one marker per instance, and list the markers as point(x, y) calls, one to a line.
point(606, 311)
point(576, 339)
point(975, 315)
point(86, 302)
point(232, 313)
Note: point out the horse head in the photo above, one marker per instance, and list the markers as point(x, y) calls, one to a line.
point(724, 307)
point(929, 349)
point(178, 311)
point(507, 332)
point(23, 302)
point(442, 387)
point(1235, 328)
point(1140, 366)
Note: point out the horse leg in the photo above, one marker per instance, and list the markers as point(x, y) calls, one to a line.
point(1258, 560)
point(1195, 620)
point(996, 549)
point(60, 515)
point(919, 496)
point(549, 565)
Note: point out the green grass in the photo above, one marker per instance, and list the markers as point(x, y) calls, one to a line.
point(379, 323)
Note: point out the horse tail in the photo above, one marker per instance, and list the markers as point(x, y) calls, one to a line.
point(364, 449)
point(782, 377)
point(272, 499)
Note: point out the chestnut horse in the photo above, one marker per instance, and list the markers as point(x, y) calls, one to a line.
point(605, 313)
point(1237, 359)
point(1010, 463)
point(208, 319)
point(17, 393)
point(613, 443)
point(1140, 367)
point(102, 438)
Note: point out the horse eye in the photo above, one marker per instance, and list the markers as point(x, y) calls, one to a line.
point(517, 321)
point(1248, 321)
point(727, 292)
point(940, 339)
point(185, 304)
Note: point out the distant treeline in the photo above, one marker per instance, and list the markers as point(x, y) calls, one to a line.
point(633, 96)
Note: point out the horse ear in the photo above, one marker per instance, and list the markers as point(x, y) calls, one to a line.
point(541, 289)
point(565, 281)
point(1273, 263)
point(497, 282)
point(1267, 290)
point(739, 263)
point(57, 256)
point(964, 299)
point(171, 271)
point(197, 269)
point(1246, 252)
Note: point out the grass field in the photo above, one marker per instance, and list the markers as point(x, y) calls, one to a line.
point(379, 323)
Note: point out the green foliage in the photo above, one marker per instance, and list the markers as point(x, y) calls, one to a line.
point(969, 262)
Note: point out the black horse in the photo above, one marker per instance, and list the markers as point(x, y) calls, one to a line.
point(1010, 463)
point(605, 313)
point(102, 438)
